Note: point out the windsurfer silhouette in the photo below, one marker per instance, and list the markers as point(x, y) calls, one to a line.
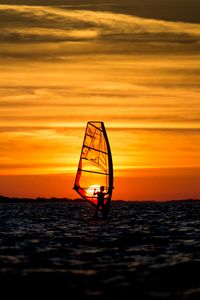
point(100, 200)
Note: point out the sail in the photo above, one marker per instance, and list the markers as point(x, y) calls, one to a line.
point(95, 166)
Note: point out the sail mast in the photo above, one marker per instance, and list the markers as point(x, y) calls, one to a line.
point(110, 163)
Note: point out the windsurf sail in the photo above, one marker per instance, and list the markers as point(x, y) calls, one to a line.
point(95, 168)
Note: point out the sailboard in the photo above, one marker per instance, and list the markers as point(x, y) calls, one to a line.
point(95, 167)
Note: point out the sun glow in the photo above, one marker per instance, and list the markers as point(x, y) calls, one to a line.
point(91, 189)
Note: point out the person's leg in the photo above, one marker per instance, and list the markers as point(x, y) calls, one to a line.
point(96, 212)
point(104, 214)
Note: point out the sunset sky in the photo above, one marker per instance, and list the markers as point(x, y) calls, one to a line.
point(133, 64)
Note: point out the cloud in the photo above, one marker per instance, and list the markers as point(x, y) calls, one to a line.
point(43, 103)
point(39, 24)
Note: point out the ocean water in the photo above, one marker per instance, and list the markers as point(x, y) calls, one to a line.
point(148, 250)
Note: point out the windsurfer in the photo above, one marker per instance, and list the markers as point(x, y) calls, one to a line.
point(100, 200)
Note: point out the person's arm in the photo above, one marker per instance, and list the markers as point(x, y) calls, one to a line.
point(94, 192)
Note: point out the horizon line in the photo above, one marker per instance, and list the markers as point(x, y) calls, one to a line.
point(55, 199)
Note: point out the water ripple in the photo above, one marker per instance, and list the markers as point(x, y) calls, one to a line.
point(148, 250)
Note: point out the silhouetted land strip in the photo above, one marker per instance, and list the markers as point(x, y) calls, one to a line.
point(39, 199)
point(4, 199)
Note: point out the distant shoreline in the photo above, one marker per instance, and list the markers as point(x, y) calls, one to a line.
point(5, 199)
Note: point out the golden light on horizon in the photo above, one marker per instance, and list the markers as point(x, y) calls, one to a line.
point(92, 188)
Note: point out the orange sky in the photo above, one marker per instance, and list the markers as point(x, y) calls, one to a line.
point(61, 68)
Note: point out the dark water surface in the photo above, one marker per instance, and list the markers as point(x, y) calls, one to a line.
point(149, 250)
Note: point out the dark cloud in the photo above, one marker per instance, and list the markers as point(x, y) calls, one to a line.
point(57, 26)
point(174, 10)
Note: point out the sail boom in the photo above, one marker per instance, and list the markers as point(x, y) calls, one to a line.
point(95, 149)
point(95, 172)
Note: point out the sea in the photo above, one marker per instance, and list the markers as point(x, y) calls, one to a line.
point(143, 250)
